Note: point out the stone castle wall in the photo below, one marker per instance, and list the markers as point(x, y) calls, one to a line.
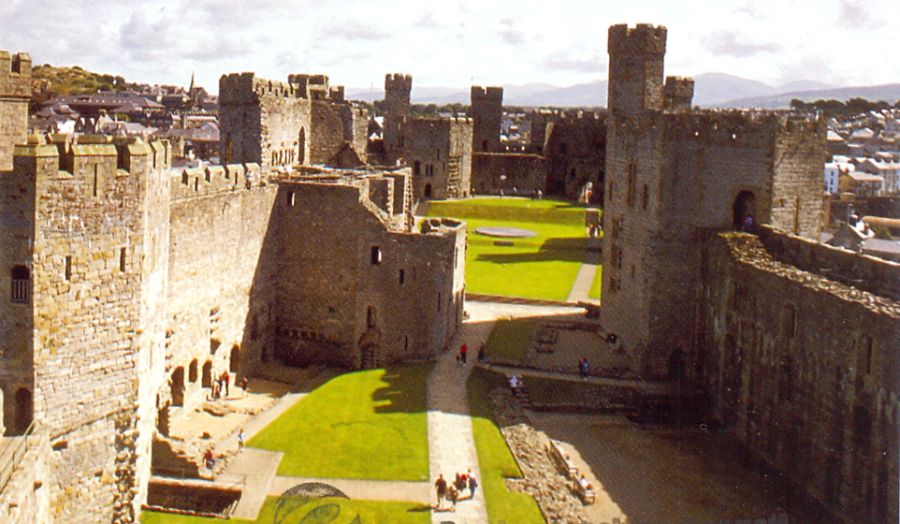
point(524, 172)
point(575, 148)
point(219, 320)
point(807, 382)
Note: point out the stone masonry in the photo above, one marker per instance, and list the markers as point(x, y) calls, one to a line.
point(128, 286)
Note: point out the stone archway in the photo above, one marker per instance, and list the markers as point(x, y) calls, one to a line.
point(234, 360)
point(677, 365)
point(427, 190)
point(206, 379)
point(744, 206)
point(24, 410)
point(177, 386)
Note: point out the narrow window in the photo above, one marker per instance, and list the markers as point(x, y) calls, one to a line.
point(645, 197)
point(864, 357)
point(290, 199)
point(402, 276)
point(184, 178)
point(21, 278)
point(417, 168)
point(438, 153)
point(371, 318)
point(484, 145)
point(197, 184)
point(68, 270)
point(96, 180)
point(405, 342)
point(122, 254)
point(439, 301)
point(192, 371)
point(375, 255)
point(629, 195)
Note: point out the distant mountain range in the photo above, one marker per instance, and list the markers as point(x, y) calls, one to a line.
point(710, 90)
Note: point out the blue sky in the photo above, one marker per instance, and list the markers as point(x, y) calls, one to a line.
point(453, 43)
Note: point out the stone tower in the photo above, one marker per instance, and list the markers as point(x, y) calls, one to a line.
point(486, 111)
point(97, 214)
point(672, 173)
point(15, 92)
point(397, 89)
point(636, 68)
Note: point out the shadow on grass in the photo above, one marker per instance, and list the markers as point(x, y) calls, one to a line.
point(420, 508)
point(553, 249)
point(405, 391)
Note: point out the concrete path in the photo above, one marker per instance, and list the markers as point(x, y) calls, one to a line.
point(255, 468)
point(582, 285)
point(451, 447)
point(359, 489)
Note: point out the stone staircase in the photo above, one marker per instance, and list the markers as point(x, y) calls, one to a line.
point(454, 177)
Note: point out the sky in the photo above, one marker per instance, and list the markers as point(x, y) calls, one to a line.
point(453, 43)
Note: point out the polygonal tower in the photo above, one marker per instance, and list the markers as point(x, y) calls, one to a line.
point(636, 68)
point(486, 112)
point(397, 89)
point(15, 92)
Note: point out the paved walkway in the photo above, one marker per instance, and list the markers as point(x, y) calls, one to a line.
point(451, 447)
point(582, 286)
point(255, 468)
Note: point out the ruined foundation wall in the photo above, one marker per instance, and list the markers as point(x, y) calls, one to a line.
point(804, 370)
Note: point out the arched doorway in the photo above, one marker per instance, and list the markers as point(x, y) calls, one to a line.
point(301, 146)
point(192, 371)
point(234, 361)
point(677, 364)
point(24, 410)
point(206, 380)
point(427, 190)
point(744, 206)
point(177, 387)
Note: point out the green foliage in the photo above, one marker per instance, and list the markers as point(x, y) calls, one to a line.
point(367, 425)
point(50, 81)
point(837, 108)
point(509, 339)
point(495, 460)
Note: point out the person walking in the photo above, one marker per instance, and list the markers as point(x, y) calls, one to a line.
point(226, 379)
point(241, 439)
point(473, 484)
point(463, 350)
point(453, 495)
point(481, 352)
point(440, 486)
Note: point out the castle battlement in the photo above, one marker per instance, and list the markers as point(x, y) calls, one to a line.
point(204, 181)
point(238, 88)
point(740, 128)
point(641, 39)
point(17, 65)
point(397, 82)
point(90, 155)
point(678, 93)
point(487, 94)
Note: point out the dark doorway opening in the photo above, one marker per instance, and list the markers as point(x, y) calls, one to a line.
point(178, 387)
point(744, 206)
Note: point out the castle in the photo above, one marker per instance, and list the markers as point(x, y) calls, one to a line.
point(794, 342)
point(129, 285)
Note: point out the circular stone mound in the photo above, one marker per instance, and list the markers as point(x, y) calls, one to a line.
point(505, 232)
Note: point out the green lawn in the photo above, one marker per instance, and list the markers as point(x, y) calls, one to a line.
point(542, 267)
point(597, 283)
point(495, 459)
point(367, 425)
point(509, 339)
point(317, 511)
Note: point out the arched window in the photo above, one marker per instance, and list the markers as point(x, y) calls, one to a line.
point(234, 362)
point(206, 381)
point(21, 284)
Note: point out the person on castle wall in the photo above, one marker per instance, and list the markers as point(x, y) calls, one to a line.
point(243, 383)
point(748, 223)
point(209, 460)
point(226, 380)
point(215, 390)
point(463, 351)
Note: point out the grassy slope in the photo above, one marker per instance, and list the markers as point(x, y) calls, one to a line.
point(495, 459)
point(368, 424)
point(509, 339)
point(539, 267)
point(368, 511)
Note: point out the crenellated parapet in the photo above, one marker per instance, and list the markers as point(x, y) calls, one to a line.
point(210, 180)
point(641, 39)
point(678, 93)
point(488, 95)
point(742, 129)
point(15, 75)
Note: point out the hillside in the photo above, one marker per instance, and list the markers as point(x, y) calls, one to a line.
point(49, 81)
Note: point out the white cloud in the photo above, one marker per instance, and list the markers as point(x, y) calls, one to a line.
point(449, 43)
